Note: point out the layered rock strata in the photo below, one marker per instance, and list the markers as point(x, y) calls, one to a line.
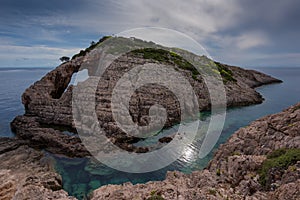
point(48, 102)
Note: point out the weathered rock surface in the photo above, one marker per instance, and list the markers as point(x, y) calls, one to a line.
point(48, 102)
point(234, 171)
point(26, 173)
point(50, 139)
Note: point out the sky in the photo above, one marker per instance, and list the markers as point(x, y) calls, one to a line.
point(36, 33)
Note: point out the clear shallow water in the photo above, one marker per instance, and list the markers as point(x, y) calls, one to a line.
point(80, 176)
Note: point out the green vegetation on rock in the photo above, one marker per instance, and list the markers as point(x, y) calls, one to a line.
point(225, 72)
point(278, 159)
point(155, 197)
point(91, 47)
point(169, 57)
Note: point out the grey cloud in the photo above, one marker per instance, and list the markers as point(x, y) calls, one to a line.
point(233, 31)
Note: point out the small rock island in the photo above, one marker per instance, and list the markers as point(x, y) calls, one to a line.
point(48, 102)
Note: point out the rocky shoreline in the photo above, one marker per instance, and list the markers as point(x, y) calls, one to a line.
point(26, 173)
point(234, 172)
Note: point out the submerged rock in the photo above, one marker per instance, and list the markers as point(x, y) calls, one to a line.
point(165, 139)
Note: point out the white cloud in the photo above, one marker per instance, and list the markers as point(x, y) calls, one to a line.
point(203, 20)
point(194, 17)
point(252, 39)
point(32, 56)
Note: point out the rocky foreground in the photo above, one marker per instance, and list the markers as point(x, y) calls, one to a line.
point(48, 102)
point(26, 173)
point(234, 173)
point(271, 143)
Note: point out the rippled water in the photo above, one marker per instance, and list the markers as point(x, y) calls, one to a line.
point(80, 176)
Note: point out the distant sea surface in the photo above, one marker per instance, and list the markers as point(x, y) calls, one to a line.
point(80, 176)
point(13, 83)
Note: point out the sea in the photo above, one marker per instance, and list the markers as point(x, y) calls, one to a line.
point(80, 176)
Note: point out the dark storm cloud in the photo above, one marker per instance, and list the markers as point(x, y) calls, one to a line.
point(280, 20)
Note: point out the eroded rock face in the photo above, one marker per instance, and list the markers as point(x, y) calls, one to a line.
point(263, 136)
point(234, 171)
point(50, 139)
point(48, 102)
point(26, 174)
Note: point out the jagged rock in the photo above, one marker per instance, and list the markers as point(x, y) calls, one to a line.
point(48, 102)
point(26, 174)
point(287, 191)
point(165, 139)
point(263, 136)
point(233, 173)
point(48, 138)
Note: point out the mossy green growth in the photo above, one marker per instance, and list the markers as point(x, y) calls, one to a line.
point(91, 47)
point(280, 159)
point(296, 108)
point(226, 73)
point(156, 197)
point(165, 56)
point(212, 192)
point(218, 172)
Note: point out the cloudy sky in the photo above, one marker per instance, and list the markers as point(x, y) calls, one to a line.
point(35, 33)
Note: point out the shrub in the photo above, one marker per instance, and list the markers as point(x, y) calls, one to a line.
point(64, 59)
point(155, 197)
point(212, 192)
point(218, 172)
point(226, 73)
point(278, 159)
point(169, 57)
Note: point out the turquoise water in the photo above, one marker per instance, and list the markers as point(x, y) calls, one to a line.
point(80, 176)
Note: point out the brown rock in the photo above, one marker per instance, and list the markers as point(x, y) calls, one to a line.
point(165, 139)
point(26, 174)
point(233, 172)
point(48, 101)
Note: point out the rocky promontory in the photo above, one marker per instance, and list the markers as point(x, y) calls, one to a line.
point(48, 121)
point(260, 161)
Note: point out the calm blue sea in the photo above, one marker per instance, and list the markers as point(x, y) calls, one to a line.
point(80, 176)
point(13, 82)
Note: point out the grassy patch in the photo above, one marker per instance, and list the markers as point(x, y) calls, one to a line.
point(212, 192)
point(226, 73)
point(155, 197)
point(166, 57)
point(218, 172)
point(279, 159)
